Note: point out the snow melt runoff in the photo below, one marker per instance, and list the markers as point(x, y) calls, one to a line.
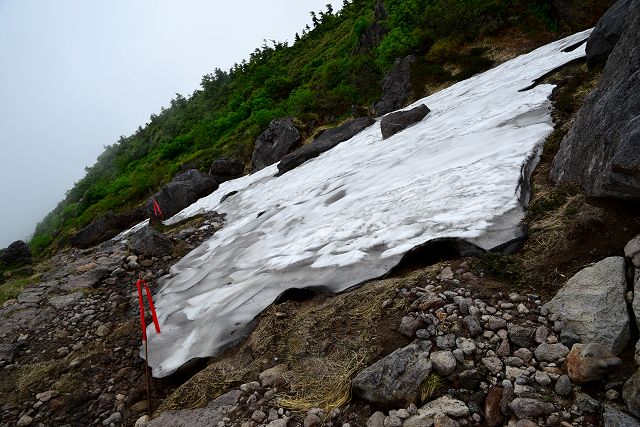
point(351, 214)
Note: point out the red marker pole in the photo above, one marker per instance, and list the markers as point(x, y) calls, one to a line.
point(143, 325)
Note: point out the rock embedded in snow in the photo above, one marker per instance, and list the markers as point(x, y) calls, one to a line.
point(274, 143)
point(396, 378)
point(592, 304)
point(398, 121)
point(326, 141)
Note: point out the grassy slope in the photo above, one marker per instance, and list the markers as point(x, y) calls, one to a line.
point(318, 80)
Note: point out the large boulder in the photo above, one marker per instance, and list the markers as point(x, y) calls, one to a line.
point(611, 417)
point(106, 227)
point(396, 378)
point(396, 86)
point(226, 169)
point(592, 304)
point(17, 253)
point(398, 121)
point(607, 32)
point(185, 189)
point(274, 143)
point(601, 152)
point(150, 242)
point(326, 141)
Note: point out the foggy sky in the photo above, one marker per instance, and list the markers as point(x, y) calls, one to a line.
point(77, 74)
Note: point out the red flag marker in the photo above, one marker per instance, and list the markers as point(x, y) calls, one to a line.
point(156, 209)
point(154, 316)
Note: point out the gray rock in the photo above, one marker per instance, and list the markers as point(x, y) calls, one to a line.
point(631, 393)
point(8, 351)
point(443, 362)
point(637, 354)
point(113, 419)
point(63, 301)
point(325, 142)
point(106, 226)
point(524, 407)
point(181, 192)
point(281, 422)
point(90, 279)
point(442, 406)
point(376, 420)
point(587, 404)
point(273, 376)
point(24, 421)
point(569, 337)
point(226, 169)
point(612, 417)
point(446, 341)
point(607, 32)
point(392, 421)
point(592, 304)
point(274, 143)
point(212, 414)
point(473, 325)
point(590, 362)
point(563, 386)
point(600, 152)
point(550, 352)
point(496, 323)
point(396, 122)
point(409, 325)
point(396, 378)
point(493, 364)
point(442, 420)
point(396, 86)
point(150, 242)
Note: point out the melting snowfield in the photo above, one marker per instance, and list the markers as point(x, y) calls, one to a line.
point(352, 213)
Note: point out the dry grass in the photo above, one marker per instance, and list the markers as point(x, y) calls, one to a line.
point(430, 386)
point(325, 342)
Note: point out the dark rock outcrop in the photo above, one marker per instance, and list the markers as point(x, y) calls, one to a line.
point(400, 120)
point(326, 141)
point(106, 227)
point(185, 189)
point(17, 253)
point(150, 242)
point(396, 86)
point(601, 153)
point(226, 169)
point(607, 32)
point(373, 34)
point(274, 143)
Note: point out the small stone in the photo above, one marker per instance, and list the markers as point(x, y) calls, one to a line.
point(114, 418)
point(612, 394)
point(445, 274)
point(314, 418)
point(103, 331)
point(409, 325)
point(524, 354)
point(564, 386)
point(472, 325)
point(541, 334)
point(494, 323)
point(493, 364)
point(441, 420)
point(249, 388)
point(259, 416)
point(142, 421)
point(524, 407)
point(376, 420)
point(24, 420)
point(444, 362)
point(504, 349)
point(46, 395)
point(392, 421)
point(403, 413)
point(551, 352)
point(446, 341)
point(587, 403)
point(542, 378)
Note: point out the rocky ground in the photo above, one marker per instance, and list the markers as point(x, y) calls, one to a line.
point(69, 343)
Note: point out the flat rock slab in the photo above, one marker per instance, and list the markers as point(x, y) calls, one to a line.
point(210, 415)
point(90, 279)
point(592, 304)
point(396, 378)
point(63, 301)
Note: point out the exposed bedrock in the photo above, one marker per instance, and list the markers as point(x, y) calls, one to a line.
point(601, 152)
point(326, 141)
point(16, 253)
point(106, 227)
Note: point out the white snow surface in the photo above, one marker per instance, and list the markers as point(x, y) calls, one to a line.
point(350, 214)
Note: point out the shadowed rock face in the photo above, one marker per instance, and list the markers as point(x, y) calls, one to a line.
point(185, 189)
point(601, 153)
point(607, 32)
point(396, 86)
point(105, 227)
point(274, 143)
point(16, 253)
point(226, 169)
point(326, 141)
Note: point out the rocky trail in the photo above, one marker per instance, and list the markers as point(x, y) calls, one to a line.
point(70, 343)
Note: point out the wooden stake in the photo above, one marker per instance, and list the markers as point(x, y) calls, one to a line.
point(146, 373)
